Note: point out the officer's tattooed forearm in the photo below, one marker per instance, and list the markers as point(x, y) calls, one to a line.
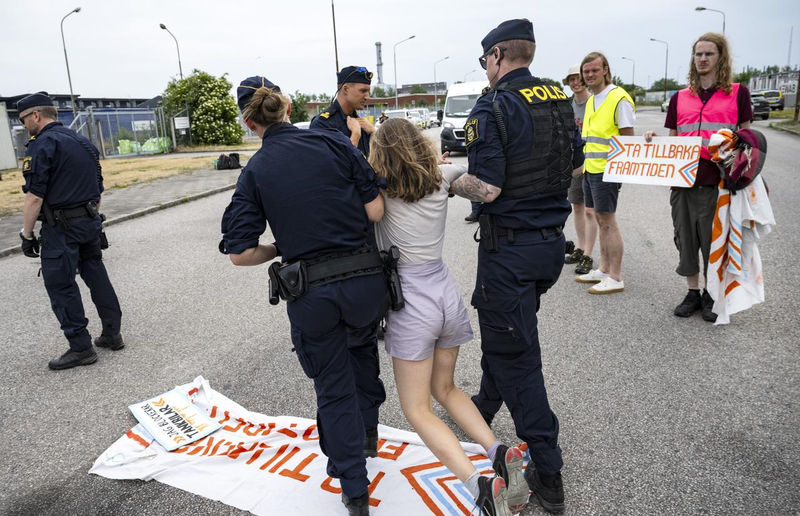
point(472, 188)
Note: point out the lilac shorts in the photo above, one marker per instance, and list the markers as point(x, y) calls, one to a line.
point(434, 315)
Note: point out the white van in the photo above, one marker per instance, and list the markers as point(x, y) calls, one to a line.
point(461, 98)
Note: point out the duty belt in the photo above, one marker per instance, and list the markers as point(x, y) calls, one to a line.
point(63, 215)
point(488, 233)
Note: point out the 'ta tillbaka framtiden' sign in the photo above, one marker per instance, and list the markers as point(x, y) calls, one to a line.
point(173, 420)
point(664, 161)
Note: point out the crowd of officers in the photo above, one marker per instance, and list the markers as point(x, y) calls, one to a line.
point(529, 157)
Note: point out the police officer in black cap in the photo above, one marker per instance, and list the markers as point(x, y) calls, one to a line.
point(63, 183)
point(522, 146)
point(331, 278)
point(352, 94)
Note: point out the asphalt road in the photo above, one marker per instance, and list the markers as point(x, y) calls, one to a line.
point(659, 415)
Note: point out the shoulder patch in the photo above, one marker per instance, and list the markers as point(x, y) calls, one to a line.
point(471, 131)
point(26, 164)
point(325, 114)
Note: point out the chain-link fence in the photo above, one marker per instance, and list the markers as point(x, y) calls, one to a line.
point(124, 132)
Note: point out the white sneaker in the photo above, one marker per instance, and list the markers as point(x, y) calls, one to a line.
point(593, 276)
point(608, 286)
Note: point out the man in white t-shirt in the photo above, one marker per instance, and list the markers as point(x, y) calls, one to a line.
point(609, 112)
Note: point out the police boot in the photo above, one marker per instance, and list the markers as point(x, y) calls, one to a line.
point(110, 341)
point(356, 506)
point(74, 358)
point(548, 490)
point(371, 443)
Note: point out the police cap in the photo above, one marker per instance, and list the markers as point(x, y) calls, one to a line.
point(357, 74)
point(249, 86)
point(33, 101)
point(510, 29)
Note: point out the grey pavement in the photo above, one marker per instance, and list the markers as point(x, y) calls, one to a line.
point(658, 415)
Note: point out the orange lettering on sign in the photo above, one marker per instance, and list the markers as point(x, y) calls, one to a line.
point(277, 454)
point(308, 432)
point(326, 486)
point(396, 450)
point(296, 472)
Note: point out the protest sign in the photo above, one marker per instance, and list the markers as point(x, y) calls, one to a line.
point(274, 465)
point(173, 420)
point(665, 161)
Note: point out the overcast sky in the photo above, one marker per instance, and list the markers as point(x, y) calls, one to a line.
point(116, 49)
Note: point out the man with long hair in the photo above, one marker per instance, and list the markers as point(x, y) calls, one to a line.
point(711, 102)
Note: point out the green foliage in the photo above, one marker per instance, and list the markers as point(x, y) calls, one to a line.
point(213, 112)
point(378, 92)
point(299, 112)
point(324, 97)
point(659, 85)
point(418, 89)
point(551, 82)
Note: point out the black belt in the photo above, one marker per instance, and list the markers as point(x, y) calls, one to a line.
point(343, 267)
point(68, 213)
point(509, 233)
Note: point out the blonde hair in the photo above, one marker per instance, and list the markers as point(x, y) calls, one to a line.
point(591, 56)
point(400, 152)
point(267, 107)
point(519, 50)
point(724, 72)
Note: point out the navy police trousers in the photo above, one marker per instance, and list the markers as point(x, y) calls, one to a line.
point(508, 288)
point(333, 332)
point(65, 252)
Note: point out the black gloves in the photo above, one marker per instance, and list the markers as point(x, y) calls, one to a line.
point(30, 247)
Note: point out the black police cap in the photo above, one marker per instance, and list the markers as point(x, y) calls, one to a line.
point(510, 29)
point(34, 100)
point(357, 74)
point(249, 86)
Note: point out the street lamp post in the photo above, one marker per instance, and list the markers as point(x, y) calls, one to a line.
point(69, 78)
point(394, 55)
point(666, 62)
point(716, 11)
point(633, 75)
point(466, 74)
point(180, 68)
point(436, 84)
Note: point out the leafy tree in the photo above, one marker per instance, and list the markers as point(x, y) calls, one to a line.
point(418, 89)
point(390, 91)
point(299, 101)
point(213, 112)
point(324, 97)
point(378, 92)
point(551, 82)
point(659, 85)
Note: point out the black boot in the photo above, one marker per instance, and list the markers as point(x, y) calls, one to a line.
point(356, 506)
point(708, 305)
point(690, 304)
point(110, 341)
point(549, 490)
point(371, 443)
point(74, 358)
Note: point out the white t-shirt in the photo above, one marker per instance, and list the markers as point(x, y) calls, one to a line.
point(625, 116)
point(417, 228)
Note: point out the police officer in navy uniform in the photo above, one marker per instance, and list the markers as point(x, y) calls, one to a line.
point(352, 94)
point(331, 278)
point(522, 146)
point(63, 183)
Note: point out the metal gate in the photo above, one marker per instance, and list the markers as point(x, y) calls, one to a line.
point(125, 132)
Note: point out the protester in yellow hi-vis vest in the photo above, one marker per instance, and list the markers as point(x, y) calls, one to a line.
point(609, 112)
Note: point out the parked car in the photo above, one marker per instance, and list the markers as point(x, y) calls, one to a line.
point(461, 98)
point(665, 105)
point(774, 97)
point(433, 118)
point(761, 106)
point(422, 115)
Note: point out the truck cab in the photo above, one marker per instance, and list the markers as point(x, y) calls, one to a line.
point(461, 98)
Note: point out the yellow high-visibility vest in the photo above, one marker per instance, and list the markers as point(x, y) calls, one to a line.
point(598, 128)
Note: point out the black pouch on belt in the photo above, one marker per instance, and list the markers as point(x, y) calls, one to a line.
point(488, 232)
point(292, 279)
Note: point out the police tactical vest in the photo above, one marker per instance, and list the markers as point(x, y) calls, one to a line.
point(548, 167)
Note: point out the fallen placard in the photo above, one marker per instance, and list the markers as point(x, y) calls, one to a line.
point(273, 465)
point(664, 161)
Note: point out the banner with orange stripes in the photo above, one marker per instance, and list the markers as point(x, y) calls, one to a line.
point(273, 465)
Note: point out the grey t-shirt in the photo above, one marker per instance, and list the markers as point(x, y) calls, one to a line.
point(417, 228)
point(579, 110)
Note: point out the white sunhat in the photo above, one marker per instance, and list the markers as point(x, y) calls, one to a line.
point(573, 70)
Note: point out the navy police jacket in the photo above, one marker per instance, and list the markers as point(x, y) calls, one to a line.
point(335, 118)
point(310, 186)
point(62, 167)
point(487, 159)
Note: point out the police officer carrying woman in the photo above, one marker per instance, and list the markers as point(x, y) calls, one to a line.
point(331, 279)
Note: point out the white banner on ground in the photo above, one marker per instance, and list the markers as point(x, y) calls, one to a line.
point(273, 465)
point(665, 161)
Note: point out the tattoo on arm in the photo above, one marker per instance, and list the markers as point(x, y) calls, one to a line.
point(472, 188)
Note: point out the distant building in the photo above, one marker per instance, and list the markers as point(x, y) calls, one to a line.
point(783, 81)
point(63, 103)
